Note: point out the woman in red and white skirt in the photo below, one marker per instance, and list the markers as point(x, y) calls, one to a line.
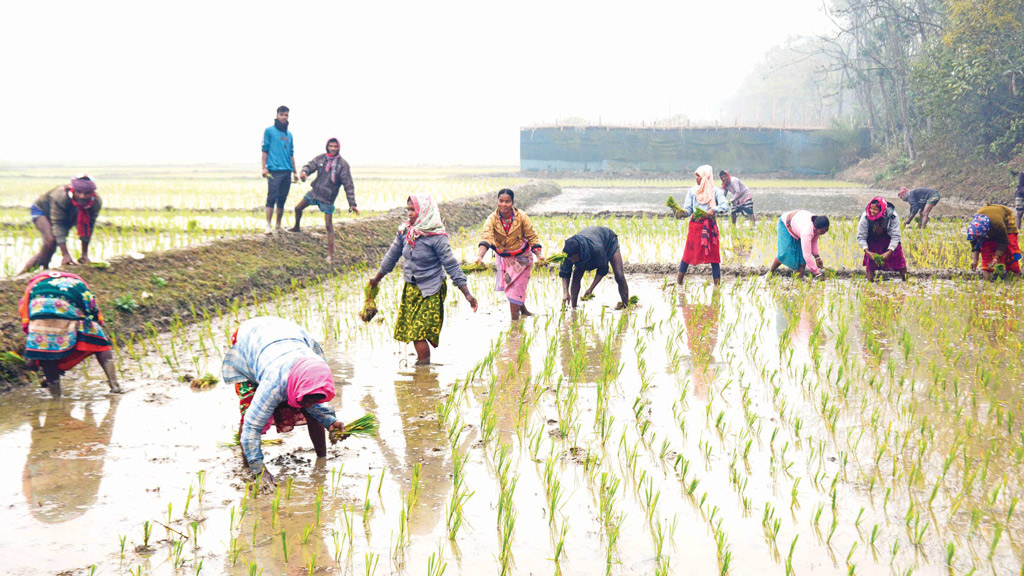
point(704, 202)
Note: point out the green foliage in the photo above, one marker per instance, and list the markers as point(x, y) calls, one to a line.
point(126, 303)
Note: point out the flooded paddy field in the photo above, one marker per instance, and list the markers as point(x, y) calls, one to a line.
point(834, 198)
point(771, 426)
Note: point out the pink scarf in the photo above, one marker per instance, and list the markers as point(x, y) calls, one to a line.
point(881, 205)
point(309, 376)
point(427, 221)
point(706, 189)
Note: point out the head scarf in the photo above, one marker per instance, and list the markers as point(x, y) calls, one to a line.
point(881, 208)
point(309, 375)
point(977, 230)
point(903, 192)
point(577, 245)
point(84, 222)
point(705, 191)
point(427, 221)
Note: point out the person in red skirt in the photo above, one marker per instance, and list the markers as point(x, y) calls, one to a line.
point(878, 235)
point(703, 203)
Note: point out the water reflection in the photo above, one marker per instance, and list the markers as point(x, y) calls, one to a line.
point(65, 461)
point(514, 373)
point(585, 351)
point(701, 321)
point(425, 444)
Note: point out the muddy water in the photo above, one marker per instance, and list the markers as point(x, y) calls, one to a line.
point(773, 400)
point(832, 201)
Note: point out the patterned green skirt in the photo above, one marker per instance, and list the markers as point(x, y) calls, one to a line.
point(420, 318)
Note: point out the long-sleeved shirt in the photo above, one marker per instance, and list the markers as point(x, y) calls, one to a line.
point(800, 226)
point(327, 184)
point(603, 243)
point(425, 264)
point(918, 198)
point(264, 353)
point(494, 236)
point(892, 228)
point(690, 205)
point(62, 213)
point(1003, 223)
point(738, 191)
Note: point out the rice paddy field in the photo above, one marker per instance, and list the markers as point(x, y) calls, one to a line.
point(771, 426)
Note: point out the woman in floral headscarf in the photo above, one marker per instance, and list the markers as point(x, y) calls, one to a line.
point(704, 202)
point(64, 326)
point(878, 235)
point(423, 242)
point(992, 233)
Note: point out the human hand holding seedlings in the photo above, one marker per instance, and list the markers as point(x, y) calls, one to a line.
point(267, 482)
point(375, 280)
point(266, 173)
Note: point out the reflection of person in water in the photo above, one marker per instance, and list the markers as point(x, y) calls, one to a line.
point(425, 444)
point(514, 373)
point(877, 313)
point(574, 332)
point(806, 316)
point(65, 460)
point(701, 322)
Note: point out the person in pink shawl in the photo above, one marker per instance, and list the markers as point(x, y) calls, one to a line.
point(798, 235)
point(281, 378)
point(878, 235)
point(509, 232)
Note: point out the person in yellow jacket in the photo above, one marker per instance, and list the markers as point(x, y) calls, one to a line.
point(509, 232)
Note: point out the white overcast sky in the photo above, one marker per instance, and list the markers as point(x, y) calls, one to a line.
point(397, 82)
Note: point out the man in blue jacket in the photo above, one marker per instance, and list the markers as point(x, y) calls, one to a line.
point(278, 165)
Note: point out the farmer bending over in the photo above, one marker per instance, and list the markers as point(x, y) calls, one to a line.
point(593, 248)
point(332, 172)
point(797, 246)
point(54, 213)
point(281, 378)
point(993, 236)
point(921, 200)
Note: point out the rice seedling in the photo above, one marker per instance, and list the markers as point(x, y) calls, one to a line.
point(363, 426)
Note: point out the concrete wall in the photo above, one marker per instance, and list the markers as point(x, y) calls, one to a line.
point(744, 150)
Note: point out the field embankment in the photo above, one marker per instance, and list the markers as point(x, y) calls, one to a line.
point(198, 279)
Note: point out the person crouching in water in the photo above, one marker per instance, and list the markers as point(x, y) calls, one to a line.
point(797, 246)
point(593, 248)
point(281, 378)
point(992, 233)
point(64, 325)
point(509, 232)
point(704, 202)
point(332, 173)
point(54, 213)
point(878, 235)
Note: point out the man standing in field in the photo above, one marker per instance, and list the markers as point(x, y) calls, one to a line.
point(739, 196)
point(332, 173)
point(278, 165)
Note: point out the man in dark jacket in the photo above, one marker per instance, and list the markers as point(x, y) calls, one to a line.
point(332, 173)
point(56, 212)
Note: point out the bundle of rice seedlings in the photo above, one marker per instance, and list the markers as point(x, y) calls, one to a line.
point(370, 303)
point(235, 442)
point(100, 264)
point(363, 426)
point(587, 297)
point(879, 260)
point(999, 269)
point(700, 213)
point(474, 267)
point(674, 207)
point(555, 258)
point(633, 301)
point(204, 381)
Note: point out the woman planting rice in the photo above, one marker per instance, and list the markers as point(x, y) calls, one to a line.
point(799, 231)
point(878, 234)
point(423, 242)
point(593, 248)
point(993, 236)
point(703, 201)
point(64, 326)
point(509, 232)
point(281, 378)
point(54, 213)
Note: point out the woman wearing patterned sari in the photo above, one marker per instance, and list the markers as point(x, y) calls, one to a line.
point(509, 232)
point(64, 326)
point(423, 242)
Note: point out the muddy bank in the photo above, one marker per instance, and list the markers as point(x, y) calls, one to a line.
point(967, 182)
point(191, 281)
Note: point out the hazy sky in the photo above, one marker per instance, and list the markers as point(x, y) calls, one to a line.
point(396, 82)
